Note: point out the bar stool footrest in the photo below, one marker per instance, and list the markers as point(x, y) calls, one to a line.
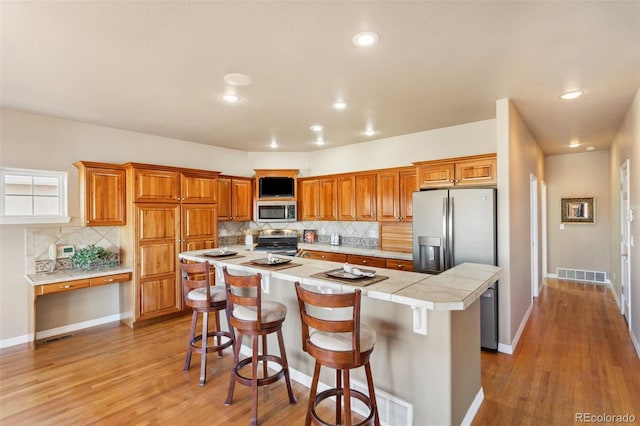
point(197, 348)
point(335, 392)
point(262, 381)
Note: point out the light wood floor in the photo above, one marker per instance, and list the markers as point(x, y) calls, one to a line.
point(574, 356)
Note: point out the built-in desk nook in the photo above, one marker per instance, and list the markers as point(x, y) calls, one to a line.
point(426, 361)
point(70, 280)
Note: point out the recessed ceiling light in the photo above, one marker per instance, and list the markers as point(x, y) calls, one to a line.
point(339, 105)
point(274, 143)
point(365, 38)
point(572, 95)
point(316, 128)
point(369, 132)
point(320, 141)
point(237, 79)
point(590, 148)
point(230, 97)
point(574, 144)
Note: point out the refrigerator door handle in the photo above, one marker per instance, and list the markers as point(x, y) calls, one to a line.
point(445, 235)
point(450, 235)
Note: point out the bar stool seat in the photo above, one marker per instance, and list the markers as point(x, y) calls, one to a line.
point(203, 298)
point(251, 316)
point(333, 334)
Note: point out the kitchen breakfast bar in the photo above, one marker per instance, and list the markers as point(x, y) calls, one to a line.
point(426, 361)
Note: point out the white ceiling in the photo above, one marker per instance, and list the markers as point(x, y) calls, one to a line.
point(158, 67)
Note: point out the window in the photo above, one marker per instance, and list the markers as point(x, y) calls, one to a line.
point(33, 196)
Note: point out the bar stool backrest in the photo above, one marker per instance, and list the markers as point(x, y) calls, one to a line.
point(321, 319)
point(195, 276)
point(246, 291)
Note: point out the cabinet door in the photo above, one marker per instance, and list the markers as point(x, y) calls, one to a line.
point(327, 195)
point(365, 200)
point(224, 199)
point(476, 172)
point(346, 198)
point(241, 200)
point(156, 186)
point(199, 224)
point(309, 199)
point(157, 228)
point(436, 176)
point(198, 188)
point(388, 194)
point(103, 190)
point(401, 265)
point(408, 181)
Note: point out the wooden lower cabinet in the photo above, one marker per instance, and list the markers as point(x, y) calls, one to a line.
point(325, 255)
point(376, 262)
point(401, 265)
point(356, 259)
point(159, 296)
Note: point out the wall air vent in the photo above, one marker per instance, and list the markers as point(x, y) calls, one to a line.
point(598, 277)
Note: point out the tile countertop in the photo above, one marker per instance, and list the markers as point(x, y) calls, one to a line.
point(455, 289)
point(63, 275)
point(356, 250)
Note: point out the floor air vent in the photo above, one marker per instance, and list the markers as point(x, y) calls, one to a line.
point(392, 410)
point(582, 275)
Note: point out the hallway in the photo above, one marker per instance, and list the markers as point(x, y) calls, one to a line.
point(575, 360)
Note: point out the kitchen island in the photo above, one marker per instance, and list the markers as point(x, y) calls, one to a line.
point(426, 362)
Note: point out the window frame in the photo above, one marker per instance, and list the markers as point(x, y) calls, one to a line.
point(62, 215)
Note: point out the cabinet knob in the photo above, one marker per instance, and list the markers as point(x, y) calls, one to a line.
point(364, 262)
point(400, 266)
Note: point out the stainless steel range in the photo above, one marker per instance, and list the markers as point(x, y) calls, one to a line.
point(278, 241)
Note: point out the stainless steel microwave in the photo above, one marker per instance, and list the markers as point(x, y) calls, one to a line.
point(275, 211)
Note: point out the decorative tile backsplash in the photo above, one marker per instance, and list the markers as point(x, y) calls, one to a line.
point(38, 240)
point(353, 234)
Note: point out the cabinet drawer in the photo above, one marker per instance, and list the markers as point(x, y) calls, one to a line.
point(402, 265)
point(60, 287)
point(110, 279)
point(323, 255)
point(355, 259)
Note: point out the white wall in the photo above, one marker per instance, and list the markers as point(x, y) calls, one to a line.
point(40, 142)
point(519, 155)
point(626, 145)
point(578, 245)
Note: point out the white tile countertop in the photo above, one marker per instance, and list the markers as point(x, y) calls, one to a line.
point(356, 250)
point(43, 278)
point(455, 289)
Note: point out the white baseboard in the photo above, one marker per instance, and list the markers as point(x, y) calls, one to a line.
point(509, 349)
point(473, 408)
point(635, 342)
point(28, 338)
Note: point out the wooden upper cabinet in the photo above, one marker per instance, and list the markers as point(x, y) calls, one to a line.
point(477, 170)
point(153, 185)
point(395, 194)
point(357, 197)
point(317, 199)
point(199, 187)
point(102, 194)
point(235, 199)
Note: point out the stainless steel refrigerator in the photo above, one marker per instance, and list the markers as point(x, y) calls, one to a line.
point(453, 226)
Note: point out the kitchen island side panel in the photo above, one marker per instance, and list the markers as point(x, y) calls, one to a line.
point(419, 369)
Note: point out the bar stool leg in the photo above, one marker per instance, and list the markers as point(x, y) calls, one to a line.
point(236, 360)
point(312, 393)
point(339, 397)
point(347, 398)
point(265, 373)
point(254, 382)
point(372, 394)
point(218, 328)
point(285, 367)
point(203, 353)
point(192, 334)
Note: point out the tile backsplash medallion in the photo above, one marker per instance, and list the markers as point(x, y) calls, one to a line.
point(352, 234)
point(38, 240)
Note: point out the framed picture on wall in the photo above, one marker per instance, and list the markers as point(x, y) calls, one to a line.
point(309, 235)
point(578, 210)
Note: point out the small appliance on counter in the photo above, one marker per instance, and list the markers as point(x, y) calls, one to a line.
point(335, 239)
point(278, 241)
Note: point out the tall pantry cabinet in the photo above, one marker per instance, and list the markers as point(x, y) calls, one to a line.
point(171, 210)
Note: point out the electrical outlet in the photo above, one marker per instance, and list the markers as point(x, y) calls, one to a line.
point(562, 226)
point(373, 233)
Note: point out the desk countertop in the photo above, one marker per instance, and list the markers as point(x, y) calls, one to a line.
point(43, 278)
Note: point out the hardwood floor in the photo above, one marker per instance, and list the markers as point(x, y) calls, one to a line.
point(574, 356)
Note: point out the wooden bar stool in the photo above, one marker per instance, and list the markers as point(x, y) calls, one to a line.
point(337, 339)
point(202, 298)
point(252, 316)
